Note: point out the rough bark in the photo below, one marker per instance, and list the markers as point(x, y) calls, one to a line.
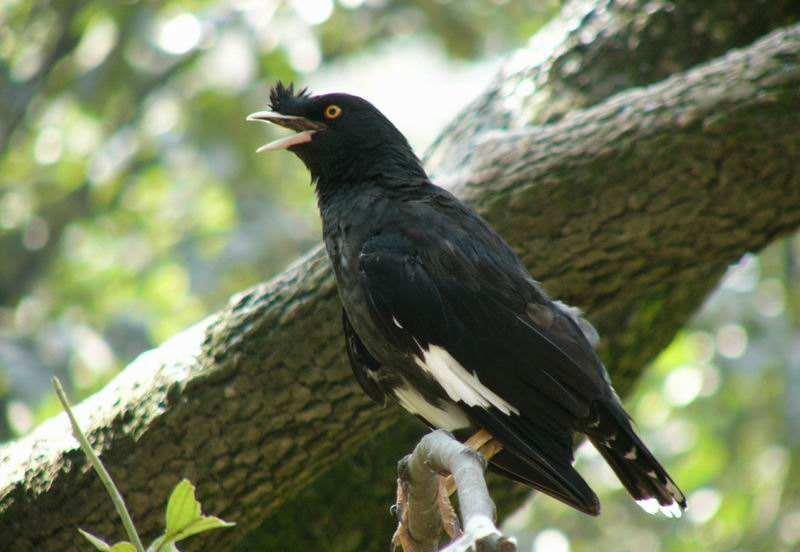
point(596, 48)
point(630, 209)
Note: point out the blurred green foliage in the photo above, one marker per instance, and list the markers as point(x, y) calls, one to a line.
point(132, 205)
point(131, 201)
point(721, 409)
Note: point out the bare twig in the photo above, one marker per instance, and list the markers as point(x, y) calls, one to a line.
point(98, 466)
point(418, 489)
point(481, 442)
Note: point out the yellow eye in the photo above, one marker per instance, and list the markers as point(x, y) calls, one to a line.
point(333, 112)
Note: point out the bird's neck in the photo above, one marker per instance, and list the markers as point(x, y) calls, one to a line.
point(379, 168)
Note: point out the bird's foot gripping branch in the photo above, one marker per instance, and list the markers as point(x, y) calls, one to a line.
point(422, 504)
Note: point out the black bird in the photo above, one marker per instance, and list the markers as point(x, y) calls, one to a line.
point(441, 316)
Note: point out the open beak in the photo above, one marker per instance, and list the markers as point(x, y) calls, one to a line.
point(304, 127)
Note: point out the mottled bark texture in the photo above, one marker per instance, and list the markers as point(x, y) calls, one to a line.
point(630, 209)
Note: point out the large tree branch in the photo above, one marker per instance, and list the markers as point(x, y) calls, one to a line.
point(631, 209)
point(594, 49)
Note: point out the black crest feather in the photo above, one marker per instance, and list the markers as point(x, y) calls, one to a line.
point(282, 96)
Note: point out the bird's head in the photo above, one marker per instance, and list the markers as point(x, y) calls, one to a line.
point(336, 135)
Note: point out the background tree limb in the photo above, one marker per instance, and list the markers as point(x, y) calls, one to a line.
point(256, 402)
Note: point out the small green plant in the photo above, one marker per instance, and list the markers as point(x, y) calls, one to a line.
point(184, 515)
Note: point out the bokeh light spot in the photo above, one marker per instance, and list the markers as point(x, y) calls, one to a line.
point(771, 298)
point(96, 44)
point(313, 12)
point(179, 34)
point(743, 276)
point(704, 346)
point(20, 417)
point(161, 115)
point(48, 147)
point(703, 504)
point(732, 340)
point(711, 380)
point(651, 410)
point(304, 54)
point(229, 64)
point(15, 209)
point(683, 385)
point(92, 352)
point(771, 464)
point(551, 540)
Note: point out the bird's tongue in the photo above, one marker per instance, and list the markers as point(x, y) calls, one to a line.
point(284, 143)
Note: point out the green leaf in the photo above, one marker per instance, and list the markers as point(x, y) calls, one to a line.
point(184, 516)
point(98, 543)
point(161, 544)
point(183, 509)
point(205, 523)
point(123, 547)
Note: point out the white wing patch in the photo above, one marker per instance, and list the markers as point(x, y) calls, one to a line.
point(450, 417)
point(459, 384)
point(652, 506)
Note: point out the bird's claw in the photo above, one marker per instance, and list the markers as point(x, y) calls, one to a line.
point(449, 517)
point(402, 538)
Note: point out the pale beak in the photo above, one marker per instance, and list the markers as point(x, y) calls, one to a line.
point(305, 129)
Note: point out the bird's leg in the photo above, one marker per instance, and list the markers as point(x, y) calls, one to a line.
point(481, 442)
point(479, 532)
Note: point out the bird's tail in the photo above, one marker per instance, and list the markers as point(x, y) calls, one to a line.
point(612, 434)
point(575, 492)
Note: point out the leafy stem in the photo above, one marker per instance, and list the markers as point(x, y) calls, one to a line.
point(98, 466)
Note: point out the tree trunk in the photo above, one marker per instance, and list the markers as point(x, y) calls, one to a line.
point(630, 209)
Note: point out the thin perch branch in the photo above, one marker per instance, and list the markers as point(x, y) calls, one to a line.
point(439, 452)
point(481, 442)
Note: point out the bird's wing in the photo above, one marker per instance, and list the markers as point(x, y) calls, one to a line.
point(493, 320)
point(476, 323)
point(364, 365)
